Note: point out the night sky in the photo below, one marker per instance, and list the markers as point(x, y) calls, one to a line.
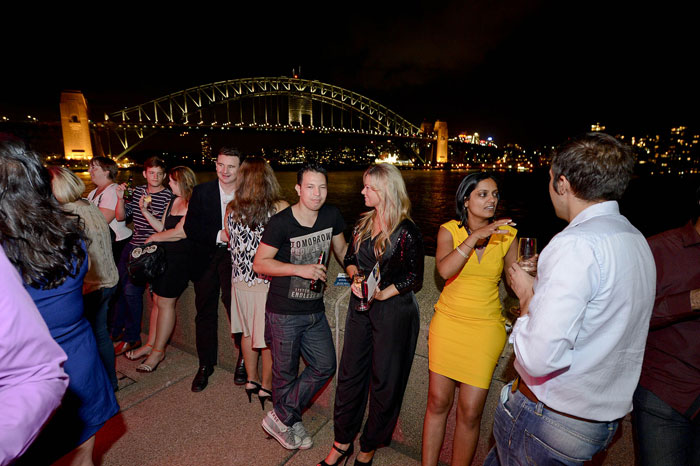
point(529, 72)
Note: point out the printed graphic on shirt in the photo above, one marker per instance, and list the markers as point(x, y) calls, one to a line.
point(306, 250)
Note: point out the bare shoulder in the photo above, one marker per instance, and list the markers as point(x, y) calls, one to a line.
point(281, 205)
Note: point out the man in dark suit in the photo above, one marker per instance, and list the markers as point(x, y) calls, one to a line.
point(205, 225)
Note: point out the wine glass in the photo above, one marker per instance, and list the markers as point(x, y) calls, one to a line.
point(359, 281)
point(527, 255)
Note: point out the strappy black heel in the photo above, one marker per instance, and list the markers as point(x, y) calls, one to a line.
point(263, 395)
point(254, 390)
point(343, 454)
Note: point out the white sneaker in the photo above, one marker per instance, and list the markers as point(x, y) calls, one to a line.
point(280, 432)
point(300, 431)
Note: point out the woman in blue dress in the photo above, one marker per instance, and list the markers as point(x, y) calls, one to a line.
point(47, 247)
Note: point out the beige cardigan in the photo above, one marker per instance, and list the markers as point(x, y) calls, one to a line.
point(102, 273)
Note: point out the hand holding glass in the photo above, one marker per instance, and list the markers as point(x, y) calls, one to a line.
point(527, 255)
point(359, 281)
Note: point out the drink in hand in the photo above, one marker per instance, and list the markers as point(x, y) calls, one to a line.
point(359, 281)
point(527, 255)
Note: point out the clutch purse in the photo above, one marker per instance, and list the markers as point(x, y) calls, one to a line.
point(146, 263)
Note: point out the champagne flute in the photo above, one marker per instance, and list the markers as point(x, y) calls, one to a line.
point(527, 255)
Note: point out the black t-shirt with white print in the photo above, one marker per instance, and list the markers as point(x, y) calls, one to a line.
point(297, 244)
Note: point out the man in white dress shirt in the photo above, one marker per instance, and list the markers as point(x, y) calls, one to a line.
point(579, 341)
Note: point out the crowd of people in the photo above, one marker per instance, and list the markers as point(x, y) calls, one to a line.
point(607, 323)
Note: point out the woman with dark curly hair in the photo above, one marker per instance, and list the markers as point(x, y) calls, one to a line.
point(47, 246)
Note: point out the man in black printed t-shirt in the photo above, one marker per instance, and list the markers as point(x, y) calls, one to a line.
point(126, 324)
point(295, 319)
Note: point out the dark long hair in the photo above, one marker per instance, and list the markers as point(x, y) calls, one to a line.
point(39, 238)
point(257, 193)
point(465, 189)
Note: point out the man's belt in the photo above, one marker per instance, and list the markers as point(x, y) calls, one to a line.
point(521, 386)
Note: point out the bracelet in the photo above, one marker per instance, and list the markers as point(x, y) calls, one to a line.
point(461, 253)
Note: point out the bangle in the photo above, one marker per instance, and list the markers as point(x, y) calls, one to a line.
point(461, 253)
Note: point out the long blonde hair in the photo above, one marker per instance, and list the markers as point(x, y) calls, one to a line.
point(386, 180)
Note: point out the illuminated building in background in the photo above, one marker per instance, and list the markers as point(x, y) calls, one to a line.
point(75, 126)
point(440, 129)
point(206, 147)
point(597, 127)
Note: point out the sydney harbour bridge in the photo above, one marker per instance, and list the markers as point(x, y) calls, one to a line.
point(273, 104)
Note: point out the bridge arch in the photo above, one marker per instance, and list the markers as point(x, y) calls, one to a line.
point(209, 106)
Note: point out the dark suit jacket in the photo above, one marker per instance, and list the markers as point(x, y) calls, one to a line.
point(203, 223)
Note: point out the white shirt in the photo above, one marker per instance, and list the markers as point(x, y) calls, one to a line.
point(225, 199)
point(107, 199)
point(581, 346)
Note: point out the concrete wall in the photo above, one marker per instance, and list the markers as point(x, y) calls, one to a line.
point(407, 436)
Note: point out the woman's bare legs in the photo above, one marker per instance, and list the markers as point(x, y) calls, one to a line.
point(145, 350)
point(470, 406)
point(250, 356)
point(441, 391)
point(80, 456)
point(165, 324)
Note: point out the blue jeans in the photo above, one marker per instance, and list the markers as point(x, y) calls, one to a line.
point(664, 436)
point(529, 433)
point(289, 336)
point(129, 307)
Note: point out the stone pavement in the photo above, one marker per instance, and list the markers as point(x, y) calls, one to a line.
point(163, 423)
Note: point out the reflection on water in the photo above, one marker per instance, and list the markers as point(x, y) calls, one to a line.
point(652, 204)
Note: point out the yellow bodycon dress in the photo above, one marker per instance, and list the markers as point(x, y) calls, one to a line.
point(467, 331)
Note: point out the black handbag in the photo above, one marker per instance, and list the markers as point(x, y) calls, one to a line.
point(146, 263)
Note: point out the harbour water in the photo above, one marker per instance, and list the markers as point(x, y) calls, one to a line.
point(652, 204)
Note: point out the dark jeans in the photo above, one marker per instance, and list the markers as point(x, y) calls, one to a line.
point(377, 357)
point(289, 336)
point(129, 308)
point(96, 305)
point(528, 432)
point(217, 276)
point(664, 436)
point(118, 247)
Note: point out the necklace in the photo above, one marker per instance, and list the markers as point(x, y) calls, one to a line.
point(482, 246)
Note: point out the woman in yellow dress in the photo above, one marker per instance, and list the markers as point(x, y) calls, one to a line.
point(467, 332)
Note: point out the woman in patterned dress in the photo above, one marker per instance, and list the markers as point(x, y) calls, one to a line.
point(257, 199)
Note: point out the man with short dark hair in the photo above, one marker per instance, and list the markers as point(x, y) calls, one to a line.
point(153, 196)
point(667, 400)
point(579, 340)
point(205, 225)
point(295, 319)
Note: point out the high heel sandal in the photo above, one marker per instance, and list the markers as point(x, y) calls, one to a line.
point(252, 388)
point(360, 463)
point(343, 454)
point(143, 367)
point(266, 395)
point(131, 355)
